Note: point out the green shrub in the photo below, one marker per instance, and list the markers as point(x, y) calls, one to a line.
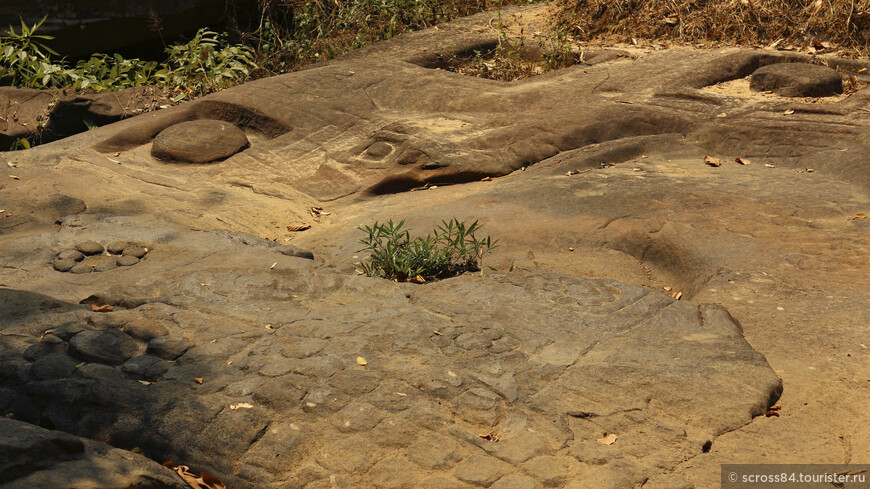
point(26, 59)
point(207, 63)
point(449, 250)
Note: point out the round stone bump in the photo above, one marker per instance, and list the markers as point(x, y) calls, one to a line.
point(201, 141)
point(106, 266)
point(127, 261)
point(81, 268)
point(117, 247)
point(62, 265)
point(90, 248)
point(797, 80)
point(110, 347)
point(136, 251)
point(73, 255)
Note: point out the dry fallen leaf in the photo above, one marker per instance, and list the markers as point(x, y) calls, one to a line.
point(486, 179)
point(677, 295)
point(788, 112)
point(361, 361)
point(712, 161)
point(607, 440)
point(104, 308)
point(298, 227)
point(439, 333)
point(489, 436)
point(241, 405)
point(198, 380)
point(769, 165)
point(742, 161)
point(417, 280)
point(14, 177)
point(810, 170)
point(204, 481)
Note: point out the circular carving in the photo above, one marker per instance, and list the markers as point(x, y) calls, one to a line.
point(200, 141)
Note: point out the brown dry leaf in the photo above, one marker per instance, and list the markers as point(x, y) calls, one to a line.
point(361, 361)
point(198, 380)
point(712, 161)
point(104, 308)
point(608, 439)
point(677, 295)
point(241, 405)
point(810, 170)
point(486, 179)
point(204, 481)
point(860, 216)
point(489, 436)
point(298, 227)
point(14, 177)
point(788, 112)
point(417, 280)
point(771, 414)
point(742, 161)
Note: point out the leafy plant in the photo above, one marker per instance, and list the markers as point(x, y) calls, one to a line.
point(449, 250)
point(26, 58)
point(102, 72)
point(207, 63)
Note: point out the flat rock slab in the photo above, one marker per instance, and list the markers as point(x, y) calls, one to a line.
point(797, 80)
point(35, 457)
point(268, 386)
point(201, 141)
point(270, 368)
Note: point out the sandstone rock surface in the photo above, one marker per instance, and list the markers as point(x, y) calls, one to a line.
point(797, 80)
point(34, 457)
point(605, 213)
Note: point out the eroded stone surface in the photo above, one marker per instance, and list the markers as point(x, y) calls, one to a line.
point(513, 376)
point(34, 457)
point(295, 389)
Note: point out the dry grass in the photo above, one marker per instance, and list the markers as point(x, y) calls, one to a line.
point(842, 24)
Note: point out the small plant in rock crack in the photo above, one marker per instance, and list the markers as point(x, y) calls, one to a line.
point(447, 251)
